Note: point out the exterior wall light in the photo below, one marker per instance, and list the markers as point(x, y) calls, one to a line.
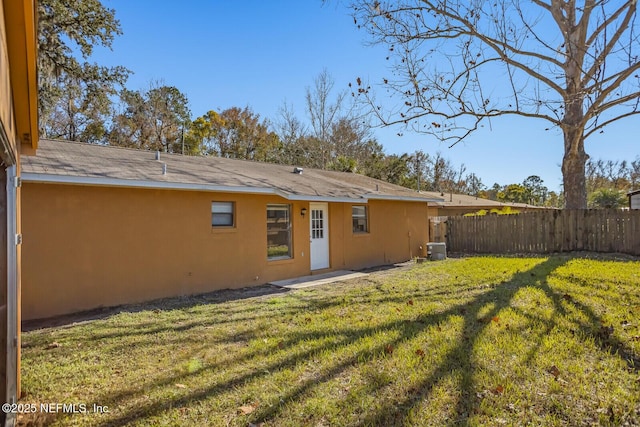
point(303, 212)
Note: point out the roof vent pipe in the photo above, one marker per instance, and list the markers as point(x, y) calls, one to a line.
point(164, 169)
point(158, 155)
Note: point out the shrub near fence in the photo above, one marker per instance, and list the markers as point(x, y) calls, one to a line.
point(595, 230)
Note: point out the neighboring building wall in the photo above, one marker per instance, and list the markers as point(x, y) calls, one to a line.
point(447, 211)
point(86, 247)
point(456, 211)
point(634, 201)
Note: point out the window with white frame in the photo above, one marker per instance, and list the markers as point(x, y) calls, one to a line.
point(278, 232)
point(360, 219)
point(222, 214)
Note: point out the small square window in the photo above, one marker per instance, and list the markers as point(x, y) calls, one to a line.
point(360, 219)
point(222, 214)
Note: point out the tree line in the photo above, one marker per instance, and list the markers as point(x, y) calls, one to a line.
point(608, 182)
point(87, 102)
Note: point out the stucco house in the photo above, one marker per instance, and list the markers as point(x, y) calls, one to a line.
point(634, 199)
point(18, 136)
point(105, 226)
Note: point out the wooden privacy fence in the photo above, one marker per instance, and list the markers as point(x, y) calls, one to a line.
point(596, 230)
point(438, 229)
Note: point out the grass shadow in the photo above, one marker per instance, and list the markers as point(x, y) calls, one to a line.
point(347, 343)
point(162, 304)
point(499, 298)
point(390, 413)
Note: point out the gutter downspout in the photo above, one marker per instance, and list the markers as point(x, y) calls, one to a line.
point(13, 285)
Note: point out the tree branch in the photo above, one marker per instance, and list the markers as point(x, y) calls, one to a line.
point(614, 119)
point(596, 32)
point(624, 25)
point(500, 47)
point(598, 104)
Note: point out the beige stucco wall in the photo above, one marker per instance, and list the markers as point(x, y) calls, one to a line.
point(86, 247)
point(396, 231)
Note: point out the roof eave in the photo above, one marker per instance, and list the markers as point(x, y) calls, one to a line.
point(135, 183)
point(302, 197)
point(162, 185)
point(403, 198)
point(20, 21)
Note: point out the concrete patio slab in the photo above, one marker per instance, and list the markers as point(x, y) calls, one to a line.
point(317, 279)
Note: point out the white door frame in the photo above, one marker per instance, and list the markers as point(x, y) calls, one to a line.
point(319, 235)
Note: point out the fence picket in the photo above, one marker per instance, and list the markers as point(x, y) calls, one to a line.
point(601, 230)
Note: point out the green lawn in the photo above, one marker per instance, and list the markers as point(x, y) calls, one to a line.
point(470, 341)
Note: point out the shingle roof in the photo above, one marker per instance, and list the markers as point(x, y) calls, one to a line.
point(462, 200)
point(90, 164)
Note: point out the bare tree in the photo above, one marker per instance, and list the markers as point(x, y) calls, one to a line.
point(457, 63)
point(287, 125)
point(291, 132)
point(323, 113)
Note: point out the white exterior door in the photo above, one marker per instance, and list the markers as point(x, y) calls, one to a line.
point(319, 223)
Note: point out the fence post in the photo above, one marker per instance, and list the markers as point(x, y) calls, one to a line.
point(545, 232)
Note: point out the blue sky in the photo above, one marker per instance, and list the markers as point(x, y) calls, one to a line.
point(256, 53)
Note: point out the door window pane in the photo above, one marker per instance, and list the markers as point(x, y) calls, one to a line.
point(317, 224)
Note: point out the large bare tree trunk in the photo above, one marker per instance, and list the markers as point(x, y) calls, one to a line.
point(573, 124)
point(573, 170)
point(575, 158)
